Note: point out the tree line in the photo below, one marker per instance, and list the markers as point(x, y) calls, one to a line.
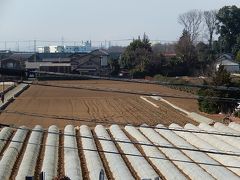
point(194, 56)
point(191, 54)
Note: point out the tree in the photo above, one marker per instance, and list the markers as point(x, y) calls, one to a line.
point(116, 49)
point(228, 26)
point(236, 47)
point(137, 55)
point(115, 67)
point(185, 49)
point(191, 22)
point(210, 20)
point(222, 77)
point(238, 56)
point(209, 105)
point(202, 52)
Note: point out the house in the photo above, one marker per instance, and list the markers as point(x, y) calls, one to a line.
point(229, 64)
point(16, 61)
point(93, 63)
point(53, 57)
point(48, 67)
point(55, 67)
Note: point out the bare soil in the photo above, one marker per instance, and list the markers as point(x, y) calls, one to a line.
point(50, 105)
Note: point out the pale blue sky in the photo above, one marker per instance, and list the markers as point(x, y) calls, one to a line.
point(96, 19)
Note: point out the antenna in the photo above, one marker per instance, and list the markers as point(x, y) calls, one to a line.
point(62, 40)
point(35, 50)
point(17, 46)
point(34, 46)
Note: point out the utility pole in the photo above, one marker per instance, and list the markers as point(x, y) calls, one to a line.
point(35, 50)
point(35, 56)
point(2, 95)
point(17, 46)
point(62, 41)
point(5, 45)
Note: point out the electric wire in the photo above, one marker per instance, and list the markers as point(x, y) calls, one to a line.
point(231, 153)
point(128, 154)
point(133, 92)
point(97, 121)
point(227, 88)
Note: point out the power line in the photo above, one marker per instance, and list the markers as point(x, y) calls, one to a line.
point(95, 121)
point(128, 154)
point(227, 88)
point(212, 151)
point(135, 92)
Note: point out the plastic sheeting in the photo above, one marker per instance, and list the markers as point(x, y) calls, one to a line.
point(72, 165)
point(220, 128)
point(214, 141)
point(166, 167)
point(234, 126)
point(190, 169)
point(93, 161)
point(50, 161)
point(5, 134)
point(115, 162)
point(28, 163)
point(229, 161)
point(139, 163)
point(202, 159)
point(10, 155)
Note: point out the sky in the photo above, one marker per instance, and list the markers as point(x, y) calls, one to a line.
point(96, 20)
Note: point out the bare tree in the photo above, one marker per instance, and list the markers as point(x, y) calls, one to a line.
point(210, 19)
point(191, 21)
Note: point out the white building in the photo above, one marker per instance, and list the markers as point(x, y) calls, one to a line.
point(50, 49)
point(229, 64)
point(84, 47)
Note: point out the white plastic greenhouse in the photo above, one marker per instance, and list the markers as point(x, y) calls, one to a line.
point(72, 165)
point(217, 143)
point(11, 154)
point(190, 169)
point(93, 161)
point(229, 161)
point(28, 163)
point(210, 165)
point(115, 162)
point(116, 152)
point(155, 156)
point(50, 161)
point(139, 163)
point(233, 141)
point(5, 134)
point(234, 126)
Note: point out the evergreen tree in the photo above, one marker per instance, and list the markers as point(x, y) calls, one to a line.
point(137, 55)
point(206, 104)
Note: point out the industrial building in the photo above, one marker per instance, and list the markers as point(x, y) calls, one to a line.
point(84, 47)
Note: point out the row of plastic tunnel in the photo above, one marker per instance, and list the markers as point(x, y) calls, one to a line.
point(174, 152)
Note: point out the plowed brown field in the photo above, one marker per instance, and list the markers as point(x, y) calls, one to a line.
point(47, 105)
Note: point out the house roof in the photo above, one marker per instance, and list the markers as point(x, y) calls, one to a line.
point(53, 55)
point(226, 56)
point(228, 63)
point(65, 59)
point(99, 52)
point(21, 56)
point(36, 65)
